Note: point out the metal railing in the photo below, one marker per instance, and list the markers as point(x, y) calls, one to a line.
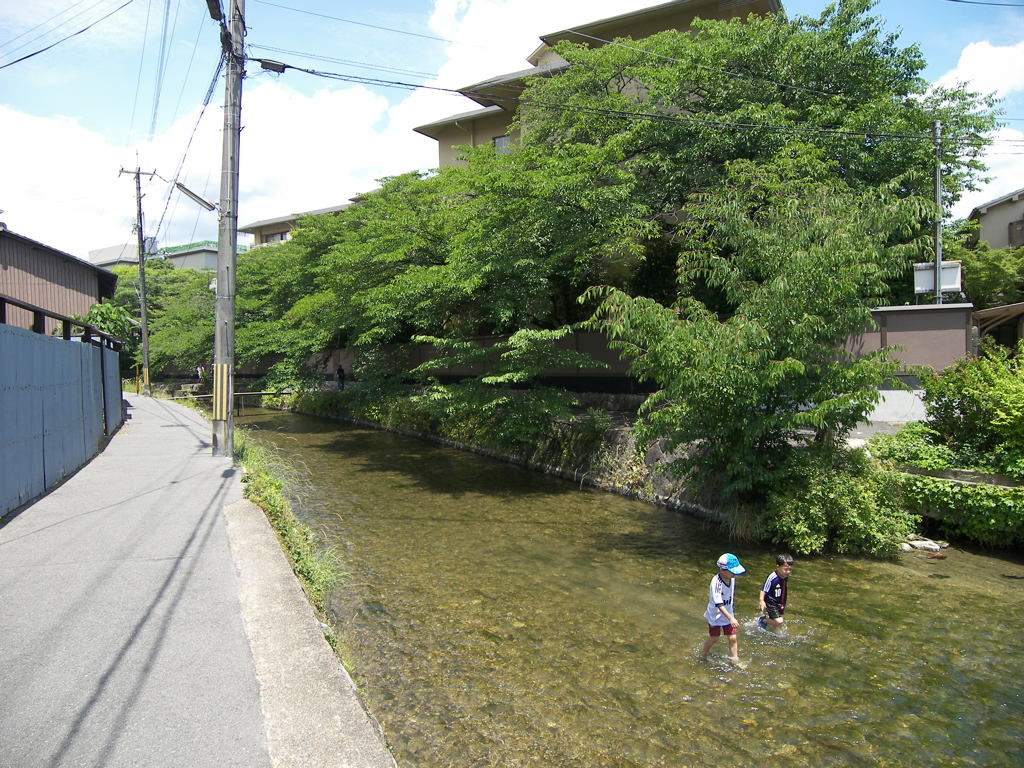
point(90, 334)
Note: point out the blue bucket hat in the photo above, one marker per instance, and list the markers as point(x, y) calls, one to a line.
point(731, 563)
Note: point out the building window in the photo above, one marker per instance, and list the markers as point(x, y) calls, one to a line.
point(503, 144)
point(1016, 233)
point(276, 237)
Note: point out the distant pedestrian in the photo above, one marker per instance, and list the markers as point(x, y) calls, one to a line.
point(200, 372)
point(340, 373)
point(720, 614)
point(771, 600)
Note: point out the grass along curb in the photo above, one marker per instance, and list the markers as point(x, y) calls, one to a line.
point(317, 567)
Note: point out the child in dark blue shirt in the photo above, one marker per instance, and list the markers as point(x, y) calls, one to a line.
point(772, 598)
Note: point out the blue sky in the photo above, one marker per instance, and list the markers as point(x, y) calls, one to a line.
point(130, 90)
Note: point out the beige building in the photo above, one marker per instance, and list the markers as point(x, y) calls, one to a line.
point(498, 96)
point(200, 255)
point(279, 229)
point(1001, 221)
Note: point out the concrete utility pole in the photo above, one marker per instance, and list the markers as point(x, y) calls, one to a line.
point(232, 39)
point(937, 133)
point(142, 275)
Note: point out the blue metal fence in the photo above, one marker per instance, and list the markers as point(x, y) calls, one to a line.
point(59, 399)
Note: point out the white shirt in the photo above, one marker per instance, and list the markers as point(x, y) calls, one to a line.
point(720, 594)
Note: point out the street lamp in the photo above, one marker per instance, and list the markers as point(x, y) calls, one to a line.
point(190, 194)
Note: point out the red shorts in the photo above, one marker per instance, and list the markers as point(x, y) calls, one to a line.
point(728, 629)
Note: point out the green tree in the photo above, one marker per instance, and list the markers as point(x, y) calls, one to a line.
point(112, 319)
point(685, 104)
point(179, 305)
point(279, 306)
point(976, 407)
point(991, 276)
point(742, 382)
point(729, 202)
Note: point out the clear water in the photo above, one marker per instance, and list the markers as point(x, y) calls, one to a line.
point(497, 617)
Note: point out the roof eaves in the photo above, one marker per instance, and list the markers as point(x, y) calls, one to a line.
point(472, 115)
point(1012, 197)
point(513, 80)
point(250, 228)
point(592, 25)
point(774, 6)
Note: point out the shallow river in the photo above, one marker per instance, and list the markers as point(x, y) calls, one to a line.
point(497, 617)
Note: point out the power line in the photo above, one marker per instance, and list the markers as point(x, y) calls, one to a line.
point(360, 64)
point(370, 26)
point(138, 80)
point(43, 23)
point(191, 59)
point(74, 34)
point(161, 66)
point(188, 145)
point(53, 29)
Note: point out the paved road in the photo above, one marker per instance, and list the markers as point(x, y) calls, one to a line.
point(148, 618)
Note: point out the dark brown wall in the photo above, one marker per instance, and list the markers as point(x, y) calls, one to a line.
point(936, 335)
point(47, 278)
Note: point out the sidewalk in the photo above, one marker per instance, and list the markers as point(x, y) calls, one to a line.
point(149, 618)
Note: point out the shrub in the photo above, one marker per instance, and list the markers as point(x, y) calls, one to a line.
point(843, 501)
point(976, 407)
point(991, 515)
point(915, 444)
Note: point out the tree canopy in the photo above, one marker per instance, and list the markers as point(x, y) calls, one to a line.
point(179, 305)
point(725, 204)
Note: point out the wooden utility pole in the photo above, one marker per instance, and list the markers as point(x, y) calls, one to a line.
point(232, 39)
point(142, 275)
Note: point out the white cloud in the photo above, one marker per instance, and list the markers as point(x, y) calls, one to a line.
point(1006, 170)
point(298, 152)
point(59, 183)
point(307, 151)
point(999, 70)
point(27, 27)
point(988, 68)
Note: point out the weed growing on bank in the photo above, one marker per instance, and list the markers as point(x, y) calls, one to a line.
point(318, 568)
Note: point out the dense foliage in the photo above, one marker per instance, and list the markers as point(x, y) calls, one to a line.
point(993, 276)
point(840, 499)
point(976, 408)
point(725, 205)
point(990, 276)
point(974, 417)
point(991, 515)
point(976, 422)
point(179, 306)
point(748, 380)
point(114, 320)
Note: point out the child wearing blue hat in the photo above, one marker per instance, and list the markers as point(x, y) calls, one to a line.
point(719, 614)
